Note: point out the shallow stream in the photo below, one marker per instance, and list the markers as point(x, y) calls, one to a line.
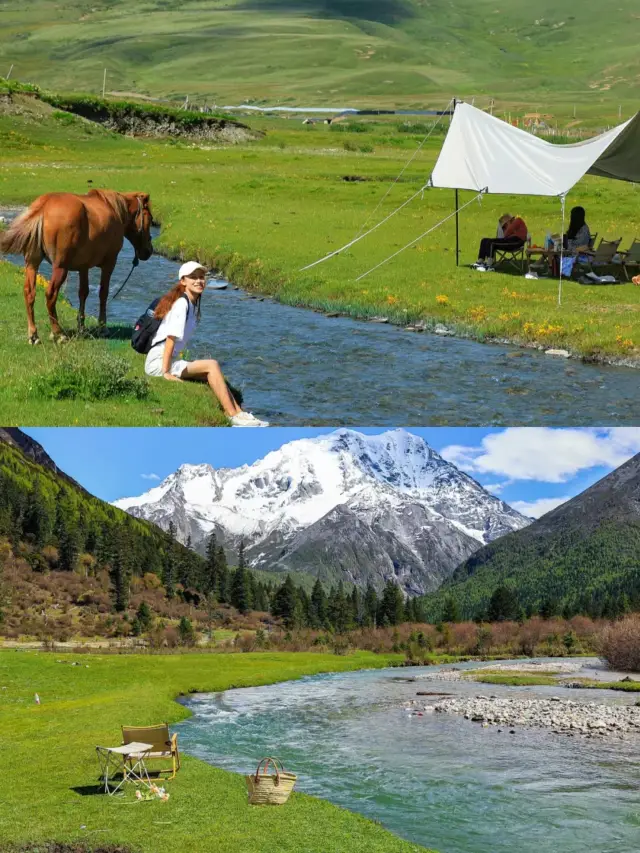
point(438, 780)
point(297, 367)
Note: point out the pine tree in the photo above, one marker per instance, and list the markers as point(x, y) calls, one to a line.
point(338, 609)
point(37, 523)
point(503, 605)
point(120, 580)
point(187, 634)
point(285, 603)
point(223, 590)
point(450, 611)
point(210, 580)
point(392, 603)
point(241, 559)
point(144, 616)
point(318, 606)
point(168, 576)
point(370, 606)
point(240, 593)
point(356, 607)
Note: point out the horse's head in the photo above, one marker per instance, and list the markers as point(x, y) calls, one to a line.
point(138, 228)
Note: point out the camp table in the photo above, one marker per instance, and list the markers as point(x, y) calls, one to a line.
point(113, 760)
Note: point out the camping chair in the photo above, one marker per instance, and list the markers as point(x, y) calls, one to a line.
point(603, 255)
point(165, 746)
point(514, 257)
point(631, 258)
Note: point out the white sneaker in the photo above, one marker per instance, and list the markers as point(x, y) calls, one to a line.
point(480, 267)
point(246, 419)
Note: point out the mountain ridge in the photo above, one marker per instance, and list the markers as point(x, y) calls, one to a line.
point(583, 556)
point(291, 509)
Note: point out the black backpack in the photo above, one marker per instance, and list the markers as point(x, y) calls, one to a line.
point(146, 327)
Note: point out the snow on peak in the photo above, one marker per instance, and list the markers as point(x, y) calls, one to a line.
point(295, 486)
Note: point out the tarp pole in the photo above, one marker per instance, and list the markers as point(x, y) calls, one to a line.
point(562, 202)
point(457, 233)
point(455, 101)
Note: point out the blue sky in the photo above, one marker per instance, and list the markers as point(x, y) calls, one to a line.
point(533, 469)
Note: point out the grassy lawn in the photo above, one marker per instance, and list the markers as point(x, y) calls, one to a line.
point(262, 210)
point(49, 766)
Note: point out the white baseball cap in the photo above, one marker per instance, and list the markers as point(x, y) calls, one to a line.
point(189, 267)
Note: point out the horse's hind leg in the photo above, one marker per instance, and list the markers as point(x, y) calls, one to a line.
point(30, 276)
point(83, 292)
point(58, 278)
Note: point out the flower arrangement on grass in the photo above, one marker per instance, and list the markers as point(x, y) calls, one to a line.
point(154, 793)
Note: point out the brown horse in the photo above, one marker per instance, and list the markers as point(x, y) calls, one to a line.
point(77, 232)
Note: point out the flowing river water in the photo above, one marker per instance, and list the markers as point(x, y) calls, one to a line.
point(438, 780)
point(300, 368)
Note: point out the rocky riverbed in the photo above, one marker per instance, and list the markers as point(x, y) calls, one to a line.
point(563, 716)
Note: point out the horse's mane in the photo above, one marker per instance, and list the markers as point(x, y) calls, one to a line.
point(116, 202)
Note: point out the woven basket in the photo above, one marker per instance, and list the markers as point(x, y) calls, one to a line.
point(269, 789)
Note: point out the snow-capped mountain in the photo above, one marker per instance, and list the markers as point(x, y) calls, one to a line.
point(344, 505)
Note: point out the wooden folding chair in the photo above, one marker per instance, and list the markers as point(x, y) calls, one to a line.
point(165, 746)
point(631, 258)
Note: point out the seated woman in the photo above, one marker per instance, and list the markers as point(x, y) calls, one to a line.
point(578, 234)
point(179, 310)
point(514, 229)
point(576, 237)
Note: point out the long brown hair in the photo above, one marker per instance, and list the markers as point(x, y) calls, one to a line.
point(169, 300)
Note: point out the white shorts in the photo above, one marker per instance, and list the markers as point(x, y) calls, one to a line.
point(153, 364)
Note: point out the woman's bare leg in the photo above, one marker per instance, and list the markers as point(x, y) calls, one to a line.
point(208, 370)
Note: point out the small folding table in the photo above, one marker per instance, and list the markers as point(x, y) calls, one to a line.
point(113, 760)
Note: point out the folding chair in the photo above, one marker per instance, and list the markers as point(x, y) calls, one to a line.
point(513, 257)
point(601, 256)
point(631, 258)
point(164, 745)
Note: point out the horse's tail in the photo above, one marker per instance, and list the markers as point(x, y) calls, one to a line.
point(24, 235)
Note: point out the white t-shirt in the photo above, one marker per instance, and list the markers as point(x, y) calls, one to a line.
point(179, 322)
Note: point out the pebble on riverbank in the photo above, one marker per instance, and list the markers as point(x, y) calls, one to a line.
point(563, 716)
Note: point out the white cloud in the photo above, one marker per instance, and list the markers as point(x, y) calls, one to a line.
point(149, 476)
point(534, 509)
point(544, 454)
point(497, 488)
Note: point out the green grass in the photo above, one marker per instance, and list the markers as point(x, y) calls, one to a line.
point(537, 57)
point(260, 211)
point(514, 679)
point(105, 375)
point(49, 759)
point(625, 686)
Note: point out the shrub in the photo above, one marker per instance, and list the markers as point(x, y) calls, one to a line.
point(99, 377)
point(620, 644)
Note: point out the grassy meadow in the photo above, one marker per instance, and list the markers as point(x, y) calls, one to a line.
point(541, 56)
point(260, 211)
point(50, 768)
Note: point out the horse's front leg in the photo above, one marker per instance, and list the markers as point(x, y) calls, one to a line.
point(58, 278)
point(83, 292)
point(105, 278)
point(30, 276)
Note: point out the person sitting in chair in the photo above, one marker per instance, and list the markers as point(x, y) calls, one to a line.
point(578, 235)
point(514, 230)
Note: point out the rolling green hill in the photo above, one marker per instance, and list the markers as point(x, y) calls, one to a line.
point(583, 557)
point(536, 55)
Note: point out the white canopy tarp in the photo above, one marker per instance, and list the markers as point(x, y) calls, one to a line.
point(481, 152)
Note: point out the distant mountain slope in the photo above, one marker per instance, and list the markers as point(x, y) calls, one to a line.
point(40, 503)
point(584, 555)
point(343, 506)
point(333, 52)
